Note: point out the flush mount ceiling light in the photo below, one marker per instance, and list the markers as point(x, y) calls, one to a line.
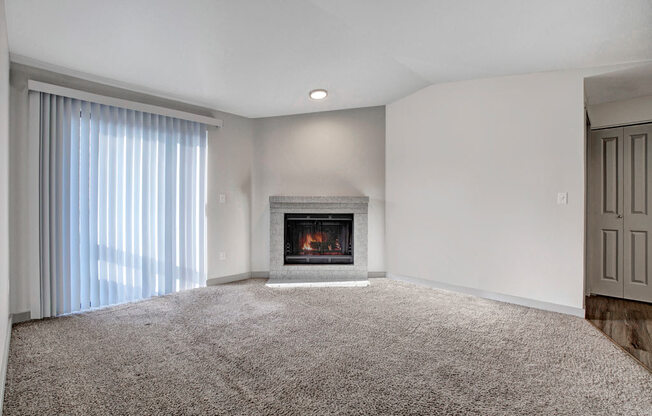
point(319, 94)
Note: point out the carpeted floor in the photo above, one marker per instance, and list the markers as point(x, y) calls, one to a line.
point(390, 348)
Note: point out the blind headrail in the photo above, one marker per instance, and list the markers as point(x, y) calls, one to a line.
point(118, 102)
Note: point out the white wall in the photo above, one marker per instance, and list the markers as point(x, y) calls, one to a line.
point(473, 171)
point(230, 156)
point(619, 113)
point(4, 195)
point(228, 170)
point(328, 153)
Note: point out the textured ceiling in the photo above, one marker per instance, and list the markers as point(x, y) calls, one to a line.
point(260, 58)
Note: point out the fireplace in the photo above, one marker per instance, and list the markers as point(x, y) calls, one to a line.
point(318, 239)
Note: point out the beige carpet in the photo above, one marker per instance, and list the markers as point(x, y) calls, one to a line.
point(391, 348)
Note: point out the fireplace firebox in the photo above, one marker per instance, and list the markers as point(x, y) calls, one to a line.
point(318, 239)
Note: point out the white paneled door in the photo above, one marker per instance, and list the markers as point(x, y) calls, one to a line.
point(619, 250)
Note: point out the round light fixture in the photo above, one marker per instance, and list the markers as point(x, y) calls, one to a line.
point(319, 94)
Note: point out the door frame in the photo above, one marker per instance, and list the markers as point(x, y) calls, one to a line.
point(587, 136)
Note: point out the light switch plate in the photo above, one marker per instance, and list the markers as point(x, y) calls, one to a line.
point(222, 198)
point(222, 255)
point(562, 198)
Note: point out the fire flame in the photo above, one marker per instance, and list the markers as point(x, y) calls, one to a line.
point(312, 238)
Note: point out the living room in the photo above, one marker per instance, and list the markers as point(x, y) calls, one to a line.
point(325, 207)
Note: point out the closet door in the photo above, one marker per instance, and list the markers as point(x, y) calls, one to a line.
point(637, 176)
point(605, 212)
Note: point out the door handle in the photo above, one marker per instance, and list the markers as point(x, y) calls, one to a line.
point(620, 216)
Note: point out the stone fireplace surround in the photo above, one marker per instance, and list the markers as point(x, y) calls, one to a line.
point(318, 274)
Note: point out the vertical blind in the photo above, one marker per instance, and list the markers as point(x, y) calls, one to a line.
point(122, 196)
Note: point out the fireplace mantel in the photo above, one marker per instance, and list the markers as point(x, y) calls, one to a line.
point(318, 274)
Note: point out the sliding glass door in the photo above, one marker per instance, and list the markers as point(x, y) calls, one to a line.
point(122, 196)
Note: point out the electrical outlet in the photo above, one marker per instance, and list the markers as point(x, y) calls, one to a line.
point(222, 255)
point(222, 198)
point(562, 198)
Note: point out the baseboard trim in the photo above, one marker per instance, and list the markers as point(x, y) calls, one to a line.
point(530, 303)
point(5, 363)
point(376, 275)
point(227, 279)
point(19, 317)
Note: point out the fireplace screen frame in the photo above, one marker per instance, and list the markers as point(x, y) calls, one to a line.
point(292, 259)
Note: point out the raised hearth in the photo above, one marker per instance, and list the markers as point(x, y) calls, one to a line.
point(318, 241)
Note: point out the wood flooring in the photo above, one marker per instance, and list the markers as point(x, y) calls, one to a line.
point(628, 323)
